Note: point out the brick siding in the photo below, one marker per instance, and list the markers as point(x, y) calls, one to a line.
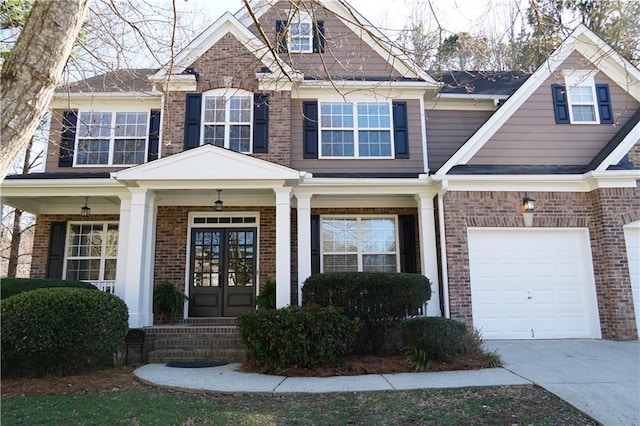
point(603, 212)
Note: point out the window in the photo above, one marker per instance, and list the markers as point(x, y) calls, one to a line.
point(111, 138)
point(581, 97)
point(227, 119)
point(301, 34)
point(92, 250)
point(355, 130)
point(366, 244)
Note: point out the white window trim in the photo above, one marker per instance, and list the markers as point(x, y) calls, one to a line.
point(227, 93)
point(301, 18)
point(359, 251)
point(103, 250)
point(112, 137)
point(583, 78)
point(355, 128)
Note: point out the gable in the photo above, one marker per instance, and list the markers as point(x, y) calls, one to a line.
point(207, 163)
point(609, 64)
point(531, 135)
point(350, 51)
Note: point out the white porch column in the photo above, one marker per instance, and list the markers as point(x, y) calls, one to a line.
point(139, 260)
point(304, 240)
point(428, 251)
point(123, 244)
point(283, 246)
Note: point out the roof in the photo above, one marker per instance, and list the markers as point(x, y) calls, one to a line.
point(61, 175)
point(124, 80)
point(501, 83)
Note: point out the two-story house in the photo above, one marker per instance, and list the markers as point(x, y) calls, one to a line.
point(309, 144)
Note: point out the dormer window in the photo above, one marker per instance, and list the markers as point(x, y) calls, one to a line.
point(301, 34)
point(580, 100)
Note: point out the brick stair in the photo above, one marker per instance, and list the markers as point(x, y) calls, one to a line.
point(201, 339)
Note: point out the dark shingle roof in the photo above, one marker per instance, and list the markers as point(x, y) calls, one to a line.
point(124, 80)
point(500, 83)
point(61, 175)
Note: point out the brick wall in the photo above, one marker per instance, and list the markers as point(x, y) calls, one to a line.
point(604, 212)
point(229, 59)
point(634, 155)
point(41, 238)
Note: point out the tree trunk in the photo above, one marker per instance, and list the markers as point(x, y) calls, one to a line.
point(32, 71)
point(16, 238)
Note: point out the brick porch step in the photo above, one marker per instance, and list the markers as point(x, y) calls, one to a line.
point(200, 339)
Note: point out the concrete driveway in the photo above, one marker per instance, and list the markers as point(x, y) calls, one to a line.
point(599, 377)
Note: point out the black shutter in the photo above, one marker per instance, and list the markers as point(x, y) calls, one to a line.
point(192, 120)
point(318, 37)
point(560, 104)
point(400, 129)
point(154, 135)
point(315, 244)
point(310, 129)
point(68, 138)
point(55, 259)
point(407, 244)
point(604, 103)
point(281, 36)
point(260, 123)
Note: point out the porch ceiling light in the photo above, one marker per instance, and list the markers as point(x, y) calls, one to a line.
point(86, 210)
point(218, 204)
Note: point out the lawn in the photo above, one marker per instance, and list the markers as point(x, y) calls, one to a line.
point(145, 405)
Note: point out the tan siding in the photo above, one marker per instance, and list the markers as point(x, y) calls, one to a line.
point(346, 55)
point(532, 137)
point(411, 165)
point(448, 130)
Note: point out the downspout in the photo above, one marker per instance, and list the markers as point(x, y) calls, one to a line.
point(443, 248)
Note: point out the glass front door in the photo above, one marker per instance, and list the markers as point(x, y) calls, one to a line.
point(223, 271)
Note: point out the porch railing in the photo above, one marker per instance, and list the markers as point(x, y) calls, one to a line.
point(106, 286)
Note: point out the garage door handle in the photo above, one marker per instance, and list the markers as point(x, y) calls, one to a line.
point(530, 297)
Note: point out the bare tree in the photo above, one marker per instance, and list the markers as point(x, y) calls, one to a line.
point(32, 72)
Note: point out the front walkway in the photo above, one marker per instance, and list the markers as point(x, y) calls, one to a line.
point(599, 377)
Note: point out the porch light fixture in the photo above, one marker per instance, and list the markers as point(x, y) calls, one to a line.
point(528, 206)
point(86, 210)
point(219, 202)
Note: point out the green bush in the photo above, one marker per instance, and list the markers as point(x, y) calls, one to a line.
point(12, 286)
point(379, 300)
point(439, 338)
point(168, 300)
point(60, 331)
point(267, 297)
point(296, 337)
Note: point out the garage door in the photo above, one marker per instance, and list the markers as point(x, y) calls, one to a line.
point(632, 238)
point(532, 283)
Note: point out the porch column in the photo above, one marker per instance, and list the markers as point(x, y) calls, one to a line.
point(283, 246)
point(304, 240)
point(123, 244)
point(428, 251)
point(139, 261)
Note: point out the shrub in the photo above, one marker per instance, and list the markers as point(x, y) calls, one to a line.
point(60, 331)
point(267, 297)
point(296, 337)
point(441, 339)
point(12, 286)
point(377, 299)
point(168, 300)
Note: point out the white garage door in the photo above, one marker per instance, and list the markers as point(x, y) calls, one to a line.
point(632, 238)
point(532, 283)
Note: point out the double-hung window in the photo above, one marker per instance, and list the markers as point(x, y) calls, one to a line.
point(359, 243)
point(92, 251)
point(301, 34)
point(109, 138)
point(356, 130)
point(227, 118)
point(581, 96)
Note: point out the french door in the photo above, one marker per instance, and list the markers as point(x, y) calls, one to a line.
point(222, 272)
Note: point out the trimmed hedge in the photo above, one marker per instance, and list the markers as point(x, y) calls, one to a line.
point(438, 338)
point(12, 286)
point(61, 331)
point(377, 299)
point(304, 337)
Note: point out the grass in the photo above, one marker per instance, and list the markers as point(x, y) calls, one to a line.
point(507, 405)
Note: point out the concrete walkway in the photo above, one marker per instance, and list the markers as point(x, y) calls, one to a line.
point(599, 377)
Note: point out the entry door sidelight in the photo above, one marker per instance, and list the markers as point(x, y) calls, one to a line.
point(223, 271)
